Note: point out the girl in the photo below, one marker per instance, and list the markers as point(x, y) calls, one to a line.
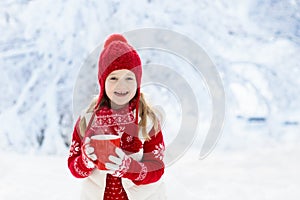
point(120, 109)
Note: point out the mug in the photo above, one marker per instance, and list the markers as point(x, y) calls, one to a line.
point(104, 146)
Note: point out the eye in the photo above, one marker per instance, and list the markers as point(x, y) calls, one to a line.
point(129, 78)
point(113, 78)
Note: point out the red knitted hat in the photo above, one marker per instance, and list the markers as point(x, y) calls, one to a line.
point(116, 55)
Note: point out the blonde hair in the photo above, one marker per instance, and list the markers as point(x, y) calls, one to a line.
point(145, 111)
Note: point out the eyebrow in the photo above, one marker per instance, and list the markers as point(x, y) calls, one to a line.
point(112, 74)
point(115, 74)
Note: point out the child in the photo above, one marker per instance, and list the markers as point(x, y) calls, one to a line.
point(120, 109)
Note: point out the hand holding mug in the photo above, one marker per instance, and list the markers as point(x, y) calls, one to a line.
point(88, 153)
point(100, 147)
point(118, 164)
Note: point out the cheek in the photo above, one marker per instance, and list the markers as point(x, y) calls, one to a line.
point(132, 87)
point(108, 88)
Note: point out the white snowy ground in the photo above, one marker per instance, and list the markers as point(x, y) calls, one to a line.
point(257, 174)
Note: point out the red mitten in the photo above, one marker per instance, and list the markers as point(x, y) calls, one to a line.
point(130, 143)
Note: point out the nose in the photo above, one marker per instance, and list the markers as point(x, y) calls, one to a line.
point(121, 84)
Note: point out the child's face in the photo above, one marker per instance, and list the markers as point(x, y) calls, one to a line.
point(120, 86)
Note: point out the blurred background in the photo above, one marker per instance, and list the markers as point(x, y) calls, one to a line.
point(255, 45)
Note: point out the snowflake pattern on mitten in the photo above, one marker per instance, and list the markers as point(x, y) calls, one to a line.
point(159, 151)
point(123, 168)
point(74, 148)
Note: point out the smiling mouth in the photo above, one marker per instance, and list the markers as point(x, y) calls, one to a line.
point(121, 94)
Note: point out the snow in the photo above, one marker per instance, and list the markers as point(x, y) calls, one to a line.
point(263, 173)
point(239, 175)
point(43, 45)
point(36, 177)
point(255, 45)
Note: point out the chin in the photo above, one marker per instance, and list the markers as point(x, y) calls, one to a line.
point(121, 103)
